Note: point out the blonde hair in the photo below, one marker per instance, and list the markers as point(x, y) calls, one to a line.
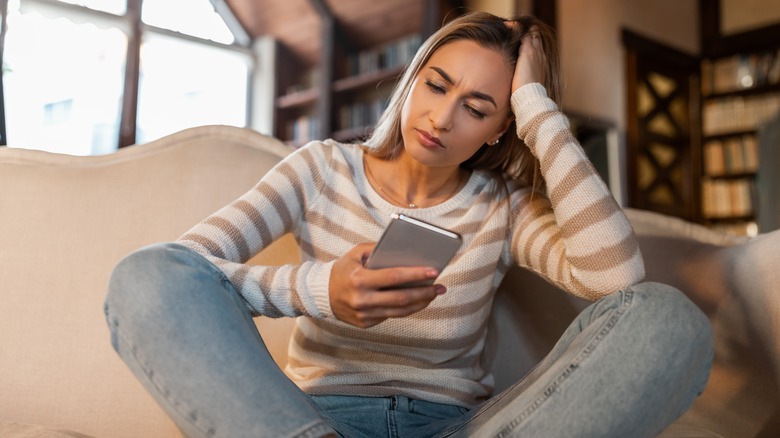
point(510, 156)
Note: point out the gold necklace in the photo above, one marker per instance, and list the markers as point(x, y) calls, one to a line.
point(394, 199)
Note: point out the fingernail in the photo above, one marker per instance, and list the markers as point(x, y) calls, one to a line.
point(440, 290)
point(432, 273)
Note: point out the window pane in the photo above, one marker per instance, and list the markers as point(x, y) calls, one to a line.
point(111, 6)
point(192, 17)
point(63, 84)
point(200, 85)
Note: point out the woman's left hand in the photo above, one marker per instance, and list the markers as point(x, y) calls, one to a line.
point(531, 62)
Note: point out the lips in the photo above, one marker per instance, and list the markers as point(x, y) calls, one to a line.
point(429, 141)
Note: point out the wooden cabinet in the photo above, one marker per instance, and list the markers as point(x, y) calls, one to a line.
point(663, 159)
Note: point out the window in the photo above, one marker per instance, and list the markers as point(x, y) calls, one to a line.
point(57, 112)
point(62, 83)
point(202, 85)
point(117, 7)
point(200, 20)
point(64, 65)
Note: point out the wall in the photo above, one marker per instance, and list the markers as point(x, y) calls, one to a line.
point(741, 15)
point(502, 8)
point(592, 54)
point(593, 59)
point(263, 87)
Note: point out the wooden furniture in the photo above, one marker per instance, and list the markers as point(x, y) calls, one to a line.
point(662, 163)
point(693, 123)
point(740, 89)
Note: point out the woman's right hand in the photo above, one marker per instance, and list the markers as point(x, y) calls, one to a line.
point(531, 60)
point(365, 297)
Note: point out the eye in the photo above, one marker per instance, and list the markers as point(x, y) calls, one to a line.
point(475, 112)
point(438, 89)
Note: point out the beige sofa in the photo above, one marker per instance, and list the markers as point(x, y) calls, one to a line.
point(66, 221)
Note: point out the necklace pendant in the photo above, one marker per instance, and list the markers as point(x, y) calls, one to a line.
point(411, 205)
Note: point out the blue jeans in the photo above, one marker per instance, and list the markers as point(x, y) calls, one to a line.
point(628, 365)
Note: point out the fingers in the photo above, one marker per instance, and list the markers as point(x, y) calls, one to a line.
point(532, 38)
point(380, 279)
point(365, 297)
point(531, 61)
point(532, 34)
point(371, 308)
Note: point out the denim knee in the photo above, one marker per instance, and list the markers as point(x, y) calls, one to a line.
point(139, 269)
point(149, 280)
point(672, 316)
point(670, 305)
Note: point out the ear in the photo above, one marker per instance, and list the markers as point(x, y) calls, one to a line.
point(504, 126)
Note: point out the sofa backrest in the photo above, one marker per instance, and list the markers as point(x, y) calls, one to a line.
point(65, 222)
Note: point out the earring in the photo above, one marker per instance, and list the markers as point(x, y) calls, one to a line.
point(495, 142)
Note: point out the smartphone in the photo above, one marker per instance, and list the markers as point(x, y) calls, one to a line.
point(411, 242)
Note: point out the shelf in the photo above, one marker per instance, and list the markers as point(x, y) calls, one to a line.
point(297, 99)
point(764, 89)
point(740, 175)
point(345, 135)
point(731, 134)
point(351, 80)
point(366, 79)
point(730, 219)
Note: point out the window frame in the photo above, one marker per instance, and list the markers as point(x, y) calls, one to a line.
point(130, 22)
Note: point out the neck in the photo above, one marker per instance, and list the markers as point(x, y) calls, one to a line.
point(409, 184)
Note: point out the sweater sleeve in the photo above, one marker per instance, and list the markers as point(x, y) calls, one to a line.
point(240, 230)
point(577, 236)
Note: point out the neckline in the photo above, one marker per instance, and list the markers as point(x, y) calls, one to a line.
point(457, 197)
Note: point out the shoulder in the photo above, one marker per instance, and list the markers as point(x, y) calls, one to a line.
point(322, 155)
point(321, 163)
point(326, 151)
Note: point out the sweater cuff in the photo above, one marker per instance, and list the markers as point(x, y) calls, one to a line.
point(529, 101)
point(318, 282)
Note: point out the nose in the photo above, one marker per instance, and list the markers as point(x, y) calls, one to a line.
point(442, 115)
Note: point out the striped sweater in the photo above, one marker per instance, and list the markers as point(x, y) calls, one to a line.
point(577, 238)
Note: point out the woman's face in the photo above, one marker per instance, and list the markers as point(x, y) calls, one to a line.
point(459, 101)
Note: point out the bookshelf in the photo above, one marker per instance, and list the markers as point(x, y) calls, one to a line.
point(364, 81)
point(694, 125)
point(342, 94)
point(295, 106)
point(740, 93)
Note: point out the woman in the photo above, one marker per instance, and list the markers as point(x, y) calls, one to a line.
point(469, 142)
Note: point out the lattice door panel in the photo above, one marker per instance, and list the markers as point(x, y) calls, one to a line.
point(661, 159)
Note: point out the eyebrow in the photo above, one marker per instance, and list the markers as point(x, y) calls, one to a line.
point(476, 94)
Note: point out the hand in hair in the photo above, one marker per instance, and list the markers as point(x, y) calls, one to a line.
point(531, 61)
